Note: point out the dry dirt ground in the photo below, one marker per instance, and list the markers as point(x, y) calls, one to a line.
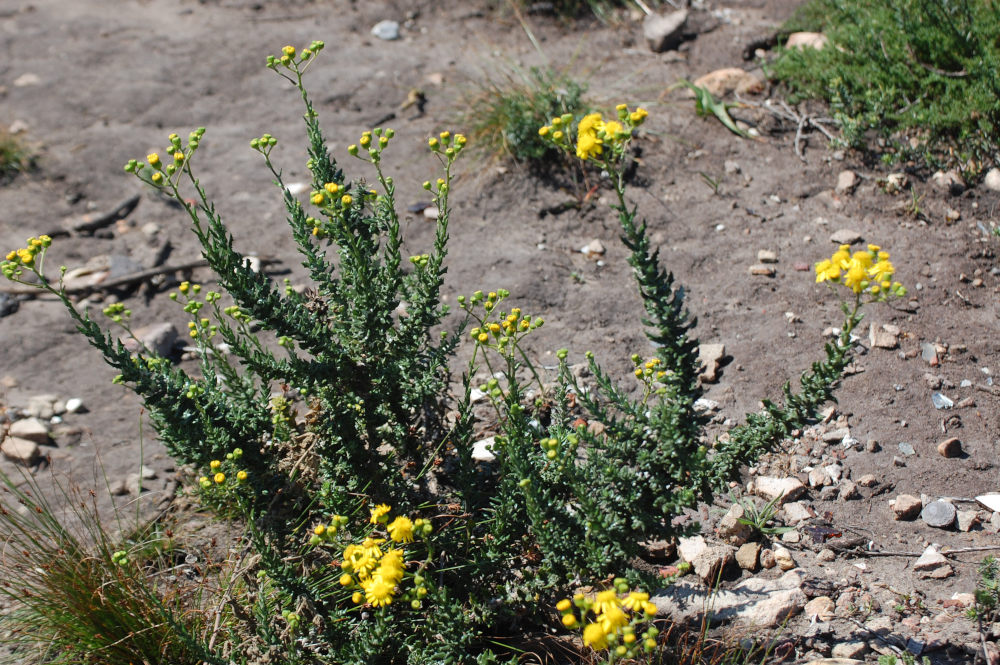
point(94, 83)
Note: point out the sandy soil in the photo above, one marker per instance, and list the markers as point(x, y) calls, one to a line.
point(110, 79)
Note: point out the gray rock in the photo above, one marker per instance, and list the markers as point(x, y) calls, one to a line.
point(688, 549)
point(731, 529)
point(853, 649)
point(594, 249)
point(732, 167)
point(949, 181)
point(748, 556)
point(159, 338)
point(711, 563)
point(939, 514)
point(835, 471)
point(849, 491)
point(753, 602)
point(846, 237)
point(930, 560)
point(928, 352)
point(880, 338)
point(21, 451)
point(42, 406)
point(767, 256)
point(788, 489)
point(134, 484)
point(386, 30)
point(791, 537)
point(826, 555)
point(906, 507)
point(767, 558)
point(664, 31)
point(836, 435)
point(967, 519)
point(847, 182)
point(795, 512)
point(147, 473)
point(817, 478)
point(822, 608)
point(868, 480)
point(32, 429)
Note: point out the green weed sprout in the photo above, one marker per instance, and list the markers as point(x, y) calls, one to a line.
point(759, 519)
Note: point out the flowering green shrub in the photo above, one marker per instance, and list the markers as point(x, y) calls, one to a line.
point(372, 532)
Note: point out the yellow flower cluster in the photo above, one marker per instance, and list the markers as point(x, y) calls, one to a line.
point(217, 471)
point(505, 331)
point(290, 58)
point(865, 271)
point(374, 566)
point(609, 621)
point(25, 256)
point(594, 134)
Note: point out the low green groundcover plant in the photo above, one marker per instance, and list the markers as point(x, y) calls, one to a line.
point(922, 76)
point(371, 533)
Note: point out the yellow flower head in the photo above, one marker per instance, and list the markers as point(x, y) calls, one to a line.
point(379, 513)
point(569, 620)
point(612, 620)
point(401, 530)
point(638, 116)
point(606, 600)
point(378, 592)
point(595, 637)
point(635, 599)
point(826, 270)
point(220, 478)
point(590, 124)
point(588, 146)
point(855, 277)
point(544, 131)
point(613, 129)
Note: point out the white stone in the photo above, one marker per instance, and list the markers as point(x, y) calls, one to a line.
point(710, 564)
point(930, 560)
point(784, 558)
point(386, 30)
point(992, 180)
point(593, 249)
point(804, 40)
point(482, 450)
point(795, 512)
point(74, 404)
point(991, 501)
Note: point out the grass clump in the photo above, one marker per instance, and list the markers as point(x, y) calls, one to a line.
point(907, 79)
point(371, 532)
point(15, 156)
point(80, 595)
point(506, 111)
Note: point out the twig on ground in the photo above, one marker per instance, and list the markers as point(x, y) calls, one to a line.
point(802, 121)
point(90, 223)
point(124, 280)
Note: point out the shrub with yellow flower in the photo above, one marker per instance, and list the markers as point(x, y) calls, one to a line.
point(609, 622)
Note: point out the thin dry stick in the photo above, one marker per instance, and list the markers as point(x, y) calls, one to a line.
point(90, 223)
point(124, 280)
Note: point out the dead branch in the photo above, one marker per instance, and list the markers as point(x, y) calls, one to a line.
point(90, 223)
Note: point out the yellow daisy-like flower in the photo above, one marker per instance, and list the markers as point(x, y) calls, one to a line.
point(826, 270)
point(379, 512)
point(588, 146)
point(612, 129)
point(882, 271)
point(590, 124)
point(606, 600)
point(401, 530)
point(378, 592)
point(855, 277)
point(220, 478)
point(842, 257)
point(864, 258)
point(595, 637)
point(612, 620)
point(635, 599)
